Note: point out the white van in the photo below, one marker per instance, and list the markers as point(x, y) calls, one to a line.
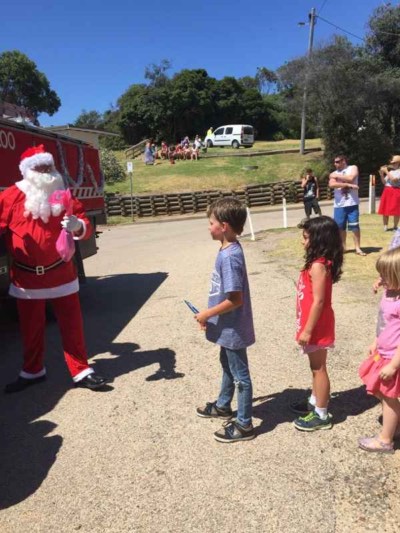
point(233, 135)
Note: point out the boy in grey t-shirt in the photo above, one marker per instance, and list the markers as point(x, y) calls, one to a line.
point(228, 321)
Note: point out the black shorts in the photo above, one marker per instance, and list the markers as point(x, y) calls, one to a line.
point(311, 204)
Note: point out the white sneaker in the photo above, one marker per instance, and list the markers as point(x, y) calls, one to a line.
point(385, 228)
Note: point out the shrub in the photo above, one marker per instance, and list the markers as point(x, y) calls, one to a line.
point(278, 136)
point(112, 169)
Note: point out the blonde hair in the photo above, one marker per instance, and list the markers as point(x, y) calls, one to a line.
point(388, 266)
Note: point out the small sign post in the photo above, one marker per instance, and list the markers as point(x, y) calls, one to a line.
point(129, 168)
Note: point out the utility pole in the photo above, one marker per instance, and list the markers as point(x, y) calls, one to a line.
point(312, 20)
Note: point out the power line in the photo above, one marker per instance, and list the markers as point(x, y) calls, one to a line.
point(353, 34)
point(341, 29)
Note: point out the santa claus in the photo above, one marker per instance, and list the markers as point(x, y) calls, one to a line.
point(32, 226)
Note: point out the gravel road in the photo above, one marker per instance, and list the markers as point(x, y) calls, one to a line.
point(136, 458)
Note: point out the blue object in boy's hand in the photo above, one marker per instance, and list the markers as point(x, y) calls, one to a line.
point(191, 307)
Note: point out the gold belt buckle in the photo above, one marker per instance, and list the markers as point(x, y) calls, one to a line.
point(40, 270)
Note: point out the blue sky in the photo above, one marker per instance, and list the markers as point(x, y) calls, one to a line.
point(92, 51)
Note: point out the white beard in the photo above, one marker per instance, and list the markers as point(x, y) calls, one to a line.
point(38, 187)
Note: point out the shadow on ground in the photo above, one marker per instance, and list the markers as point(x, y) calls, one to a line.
point(273, 409)
point(108, 303)
point(366, 249)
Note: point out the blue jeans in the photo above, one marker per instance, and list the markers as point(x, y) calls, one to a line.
point(236, 374)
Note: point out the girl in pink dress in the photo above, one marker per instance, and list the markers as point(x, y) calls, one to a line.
point(380, 372)
point(315, 318)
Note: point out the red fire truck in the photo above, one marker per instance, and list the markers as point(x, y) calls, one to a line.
point(79, 165)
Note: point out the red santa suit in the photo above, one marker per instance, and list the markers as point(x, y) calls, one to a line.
point(38, 274)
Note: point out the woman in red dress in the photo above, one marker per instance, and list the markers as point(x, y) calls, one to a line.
point(390, 199)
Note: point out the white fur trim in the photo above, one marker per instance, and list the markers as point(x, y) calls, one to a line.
point(83, 374)
point(44, 294)
point(28, 375)
point(36, 161)
point(22, 185)
point(84, 229)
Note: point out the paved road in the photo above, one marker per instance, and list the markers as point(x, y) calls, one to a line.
point(136, 458)
point(263, 218)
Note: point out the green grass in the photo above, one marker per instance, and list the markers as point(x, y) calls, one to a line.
point(221, 172)
point(355, 268)
point(118, 220)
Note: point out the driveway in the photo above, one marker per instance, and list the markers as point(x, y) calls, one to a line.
point(136, 458)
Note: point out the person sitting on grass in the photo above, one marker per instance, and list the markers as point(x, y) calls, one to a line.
point(194, 154)
point(228, 322)
point(178, 152)
point(197, 144)
point(185, 142)
point(187, 151)
point(164, 154)
point(171, 154)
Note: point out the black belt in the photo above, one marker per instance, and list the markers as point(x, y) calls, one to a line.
point(38, 270)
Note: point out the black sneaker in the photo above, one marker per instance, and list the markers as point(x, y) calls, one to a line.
point(312, 422)
point(302, 407)
point(212, 411)
point(234, 432)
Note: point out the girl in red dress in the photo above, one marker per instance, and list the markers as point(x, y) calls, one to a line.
point(315, 318)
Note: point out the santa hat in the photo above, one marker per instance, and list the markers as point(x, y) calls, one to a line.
point(35, 157)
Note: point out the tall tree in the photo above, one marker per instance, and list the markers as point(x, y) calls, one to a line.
point(248, 82)
point(90, 119)
point(345, 96)
point(144, 112)
point(21, 83)
point(266, 79)
point(192, 102)
point(383, 44)
point(228, 96)
point(383, 38)
point(157, 74)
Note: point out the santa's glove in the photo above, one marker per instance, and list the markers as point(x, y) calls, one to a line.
point(71, 223)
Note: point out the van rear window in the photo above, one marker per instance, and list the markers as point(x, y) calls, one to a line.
point(248, 130)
